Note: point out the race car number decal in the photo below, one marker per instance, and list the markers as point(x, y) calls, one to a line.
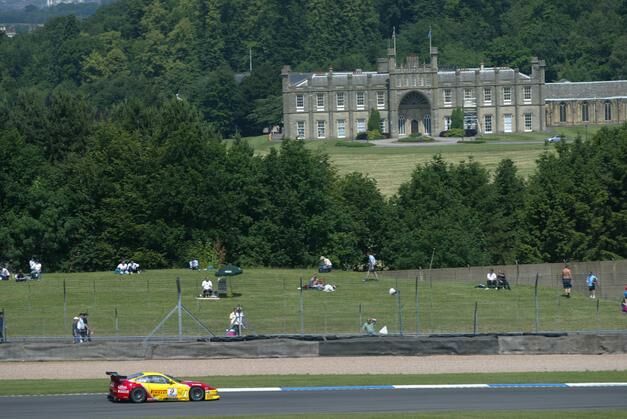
point(172, 392)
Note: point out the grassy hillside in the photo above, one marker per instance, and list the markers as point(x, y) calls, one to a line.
point(272, 304)
point(392, 166)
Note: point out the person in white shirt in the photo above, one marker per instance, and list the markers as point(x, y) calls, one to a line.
point(207, 288)
point(5, 275)
point(491, 279)
point(372, 267)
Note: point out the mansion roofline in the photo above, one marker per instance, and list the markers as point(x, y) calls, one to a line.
point(418, 97)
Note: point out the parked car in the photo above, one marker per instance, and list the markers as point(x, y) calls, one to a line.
point(555, 139)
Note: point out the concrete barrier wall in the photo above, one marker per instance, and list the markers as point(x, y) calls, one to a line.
point(352, 346)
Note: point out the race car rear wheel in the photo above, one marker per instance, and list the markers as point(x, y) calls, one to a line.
point(138, 395)
point(196, 394)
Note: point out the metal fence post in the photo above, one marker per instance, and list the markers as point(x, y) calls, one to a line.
point(302, 319)
point(474, 320)
point(535, 297)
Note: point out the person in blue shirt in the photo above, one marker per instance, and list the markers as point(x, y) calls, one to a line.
point(592, 281)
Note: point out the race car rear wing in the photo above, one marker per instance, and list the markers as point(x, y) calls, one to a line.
point(115, 376)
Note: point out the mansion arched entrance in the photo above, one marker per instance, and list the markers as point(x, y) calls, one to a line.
point(414, 115)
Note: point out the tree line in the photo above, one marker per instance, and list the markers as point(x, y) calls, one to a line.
point(111, 134)
point(80, 191)
point(151, 50)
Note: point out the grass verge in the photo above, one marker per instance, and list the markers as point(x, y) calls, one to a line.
point(23, 387)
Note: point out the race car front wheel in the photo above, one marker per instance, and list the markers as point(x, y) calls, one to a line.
point(196, 394)
point(138, 395)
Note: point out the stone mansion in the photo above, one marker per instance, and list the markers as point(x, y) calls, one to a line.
point(419, 97)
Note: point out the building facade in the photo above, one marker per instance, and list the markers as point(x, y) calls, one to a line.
point(419, 98)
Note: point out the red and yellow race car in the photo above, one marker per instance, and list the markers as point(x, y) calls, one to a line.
point(155, 386)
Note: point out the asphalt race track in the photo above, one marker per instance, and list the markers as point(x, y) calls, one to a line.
point(320, 401)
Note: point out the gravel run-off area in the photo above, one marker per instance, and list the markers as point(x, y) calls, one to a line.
point(394, 365)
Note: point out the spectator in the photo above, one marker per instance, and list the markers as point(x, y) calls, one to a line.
point(372, 267)
point(35, 270)
point(5, 275)
point(237, 320)
point(193, 264)
point(86, 335)
point(122, 268)
point(567, 280)
point(623, 305)
point(207, 288)
point(81, 329)
point(502, 282)
point(325, 264)
point(592, 281)
point(368, 327)
point(491, 280)
point(133, 267)
point(75, 334)
point(19, 276)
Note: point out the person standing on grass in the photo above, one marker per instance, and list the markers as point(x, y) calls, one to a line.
point(567, 280)
point(372, 267)
point(592, 281)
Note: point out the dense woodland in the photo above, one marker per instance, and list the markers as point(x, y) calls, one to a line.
point(99, 160)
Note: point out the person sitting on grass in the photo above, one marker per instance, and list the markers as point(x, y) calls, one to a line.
point(207, 288)
point(368, 327)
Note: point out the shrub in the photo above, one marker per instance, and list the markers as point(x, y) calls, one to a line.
point(455, 132)
point(374, 135)
point(362, 136)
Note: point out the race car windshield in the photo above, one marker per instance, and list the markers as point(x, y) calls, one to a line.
point(137, 374)
point(173, 378)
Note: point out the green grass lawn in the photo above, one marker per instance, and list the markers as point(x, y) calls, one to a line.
point(392, 166)
point(133, 305)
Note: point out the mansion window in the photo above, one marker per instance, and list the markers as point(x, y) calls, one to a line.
point(507, 95)
point(487, 96)
point(585, 116)
point(361, 125)
point(469, 97)
point(300, 129)
point(562, 112)
point(528, 122)
point(361, 101)
point(321, 129)
point(401, 125)
point(341, 128)
point(380, 100)
point(507, 122)
point(527, 94)
point(300, 103)
point(320, 102)
point(448, 97)
point(487, 124)
point(382, 125)
point(608, 110)
point(339, 101)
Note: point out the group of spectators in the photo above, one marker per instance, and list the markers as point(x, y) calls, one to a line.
point(127, 267)
point(317, 283)
point(34, 272)
point(80, 329)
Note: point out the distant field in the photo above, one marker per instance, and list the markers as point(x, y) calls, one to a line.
point(134, 305)
point(392, 166)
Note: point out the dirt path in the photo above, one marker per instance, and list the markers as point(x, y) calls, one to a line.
point(331, 365)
